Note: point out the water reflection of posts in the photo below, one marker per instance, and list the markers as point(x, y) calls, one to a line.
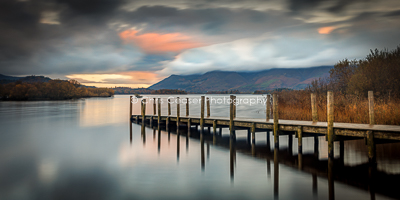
point(168, 129)
point(300, 145)
point(187, 143)
point(314, 184)
point(177, 144)
point(130, 132)
point(276, 173)
point(371, 180)
point(202, 152)
point(232, 151)
point(189, 126)
point(208, 150)
point(341, 151)
point(331, 181)
point(268, 150)
point(290, 143)
point(249, 136)
point(316, 146)
point(159, 139)
point(276, 120)
point(143, 133)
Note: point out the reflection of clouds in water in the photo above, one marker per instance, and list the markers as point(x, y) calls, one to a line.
point(104, 111)
point(47, 171)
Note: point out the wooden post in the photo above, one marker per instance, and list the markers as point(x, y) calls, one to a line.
point(371, 147)
point(234, 106)
point(143, 110)
point(187, 107)
point(231, 117)
point(253, 133)
point(214, 131)
point(330, 118)
point(300, 149)
point(371, 107)
point(169, 107)
point(159, 111)
point(202, 114)
point(154, 107)
point(208, 107)
point(300, 138)
point(314, 107)
point(130, 107)
point(268, 112)
point(276, 120)
point(178, 112)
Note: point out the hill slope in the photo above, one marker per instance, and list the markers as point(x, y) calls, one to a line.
point(295, 78)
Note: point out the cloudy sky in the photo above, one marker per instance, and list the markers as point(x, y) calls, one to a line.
point(136, 43)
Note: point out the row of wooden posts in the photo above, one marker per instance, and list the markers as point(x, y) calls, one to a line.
point(232, 116)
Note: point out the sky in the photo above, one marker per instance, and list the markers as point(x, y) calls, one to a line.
point(136, 43)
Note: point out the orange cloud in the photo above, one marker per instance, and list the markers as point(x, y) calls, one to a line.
point(159, 43)
point(326, 30)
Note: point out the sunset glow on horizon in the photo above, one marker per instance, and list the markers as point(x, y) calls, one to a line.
point(134, 79)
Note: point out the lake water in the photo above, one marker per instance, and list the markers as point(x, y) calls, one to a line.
point(88, 149)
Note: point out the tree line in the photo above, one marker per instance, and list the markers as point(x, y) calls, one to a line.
point(50, 90)
point(379, 71)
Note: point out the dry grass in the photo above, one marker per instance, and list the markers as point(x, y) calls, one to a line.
point(296, 105)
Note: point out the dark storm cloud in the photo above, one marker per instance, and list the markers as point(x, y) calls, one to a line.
point(335, 6)
point(79, 41)
point(78, 36)
point(210, 22)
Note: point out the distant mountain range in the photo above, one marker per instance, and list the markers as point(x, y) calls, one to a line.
point(294, 78)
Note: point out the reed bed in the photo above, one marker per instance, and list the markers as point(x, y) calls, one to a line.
point(296, 105)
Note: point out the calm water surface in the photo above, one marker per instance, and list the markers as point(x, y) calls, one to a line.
point(88, 149)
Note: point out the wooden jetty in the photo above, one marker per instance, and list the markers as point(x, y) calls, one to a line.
point(362, 176)
point(333, 131)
